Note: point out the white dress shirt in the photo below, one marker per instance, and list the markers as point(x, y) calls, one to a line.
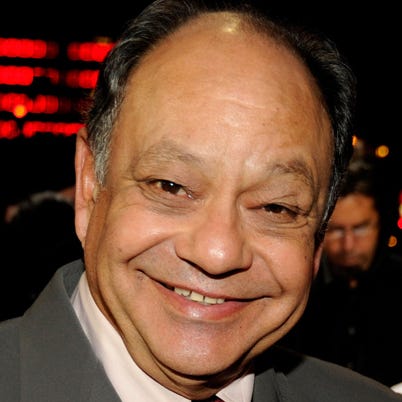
point(129, 381)
point(397, 388)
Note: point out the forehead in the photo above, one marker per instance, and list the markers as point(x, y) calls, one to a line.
point(219, 44)
point(353, 208)
point(217, 55)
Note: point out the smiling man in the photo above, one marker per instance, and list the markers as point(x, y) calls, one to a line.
point(206, 172)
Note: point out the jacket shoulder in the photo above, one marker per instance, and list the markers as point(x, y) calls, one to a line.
point(303, 378)
point(9, 360)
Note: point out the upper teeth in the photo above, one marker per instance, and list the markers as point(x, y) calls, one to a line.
point(194, 296)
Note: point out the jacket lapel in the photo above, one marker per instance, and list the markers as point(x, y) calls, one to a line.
point(71, 371)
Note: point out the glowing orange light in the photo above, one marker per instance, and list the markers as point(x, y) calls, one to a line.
point(392, 241)
point(382, 151)
point(20, 111)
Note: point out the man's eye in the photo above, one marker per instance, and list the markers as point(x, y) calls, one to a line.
point(280, 211)
point(274, 208)
point(169, 187)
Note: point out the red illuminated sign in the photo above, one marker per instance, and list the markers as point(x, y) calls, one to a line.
point(42, 78)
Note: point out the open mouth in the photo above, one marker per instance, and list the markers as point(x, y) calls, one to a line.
point(197, 297)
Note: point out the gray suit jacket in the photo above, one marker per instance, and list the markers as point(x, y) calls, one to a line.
point(46, 357)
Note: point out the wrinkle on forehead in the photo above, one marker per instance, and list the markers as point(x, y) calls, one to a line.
point(296, 167)
point(167, 150)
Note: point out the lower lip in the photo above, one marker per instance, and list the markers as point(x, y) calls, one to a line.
point(199, 311)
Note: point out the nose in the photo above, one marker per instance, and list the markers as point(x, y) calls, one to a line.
point(216, 242)
point(348, 240)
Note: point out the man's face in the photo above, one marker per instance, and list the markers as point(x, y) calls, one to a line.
point(352, 237)
point(199, 248)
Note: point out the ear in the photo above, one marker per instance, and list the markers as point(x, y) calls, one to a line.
point(317, 258)
point(86, 184)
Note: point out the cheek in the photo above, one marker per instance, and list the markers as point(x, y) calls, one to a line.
point(296, 271)
point(289, 268)
point(116, 235)
point(129, 231)
point(289, 264)
point(301, 277)
point(293, 265)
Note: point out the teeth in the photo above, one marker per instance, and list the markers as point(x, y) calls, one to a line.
point(197, 297)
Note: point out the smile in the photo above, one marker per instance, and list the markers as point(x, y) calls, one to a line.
point(197, 297)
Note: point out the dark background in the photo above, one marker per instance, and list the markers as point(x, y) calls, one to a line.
point(368, 35)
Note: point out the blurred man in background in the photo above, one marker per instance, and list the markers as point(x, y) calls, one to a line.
point(353, 314)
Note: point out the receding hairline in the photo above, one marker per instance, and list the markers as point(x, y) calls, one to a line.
point(240, 20)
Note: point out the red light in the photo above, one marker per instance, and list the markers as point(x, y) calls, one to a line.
point(82, 78)
point(32, 128)
point(8, 102)
point(88, 51)
point(45, 104)
point(13, 75)
point(8, 129)
point(51, 73)
point(28, 48)
point(41, 104)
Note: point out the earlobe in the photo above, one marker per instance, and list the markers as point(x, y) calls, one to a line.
point(86, 184)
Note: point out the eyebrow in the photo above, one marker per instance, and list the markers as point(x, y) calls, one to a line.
point(167, 150)
point(296, 167)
